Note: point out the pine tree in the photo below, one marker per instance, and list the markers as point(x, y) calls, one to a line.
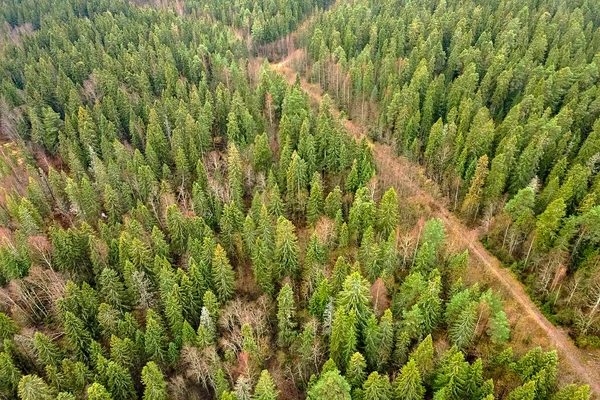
point(387, 213)
point(320, 298)
point(222, 274)
point(430, 302)
point(177, 229)
point(157, 146)
point(341, 270)
point(286, 249)
point(353, 179)
point(573, 392)
point(123, 352)
point(409, 385)
point(286, 315)
point(296, 183)
point(265, 388)
point(174, 313)
point(155, 387)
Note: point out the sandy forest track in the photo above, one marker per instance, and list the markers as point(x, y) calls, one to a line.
point(396, 171)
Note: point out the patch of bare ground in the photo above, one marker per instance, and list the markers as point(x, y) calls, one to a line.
point(529, 326)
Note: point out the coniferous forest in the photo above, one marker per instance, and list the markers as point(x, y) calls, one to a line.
point(181, 218)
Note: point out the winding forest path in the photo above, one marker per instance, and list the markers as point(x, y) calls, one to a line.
point(576, 364)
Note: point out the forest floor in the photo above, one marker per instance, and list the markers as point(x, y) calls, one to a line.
point(529, 326)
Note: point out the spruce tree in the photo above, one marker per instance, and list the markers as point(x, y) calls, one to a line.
point(286, 249)
point(265, 388)
point(261, 266)
point(77, 335)
point(387, 213)
point(333, 202)
point(222, 274)
point(155, 387)
point(423, 356)
point(47, 352)
point(377, 387)
point(286, 315)
point(344, 339)
point(314, 207)
point(355, 297)
point(155, 337)
point(32, 387)
point(474, 199)
point(357, 370)
point(330, 386)
point(408, 384)
point(98, 392)
point(10, 375)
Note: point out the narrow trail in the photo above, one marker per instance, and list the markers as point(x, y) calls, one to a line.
point(396, 170)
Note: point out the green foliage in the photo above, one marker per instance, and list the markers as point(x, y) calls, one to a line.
point(409, 385)
point(330, 386)
point(155, 388)
point(265, 388)
point(286, 315)
point(222, 274)
point(286, 249)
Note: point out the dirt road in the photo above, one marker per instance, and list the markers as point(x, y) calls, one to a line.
point(396, 170)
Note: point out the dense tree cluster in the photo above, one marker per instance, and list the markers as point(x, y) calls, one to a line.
point(499, 101)
point(265, 20)
point(177, 227)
